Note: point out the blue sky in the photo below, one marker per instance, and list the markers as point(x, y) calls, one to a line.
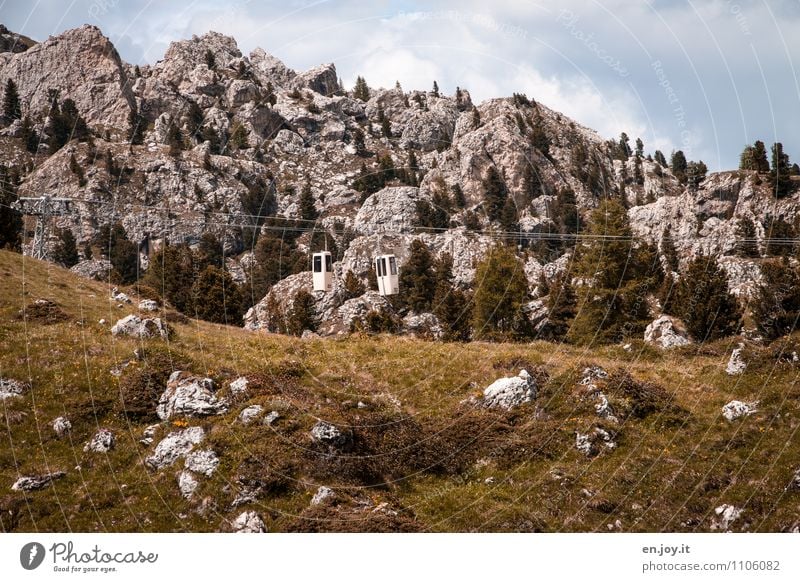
point(705, 76)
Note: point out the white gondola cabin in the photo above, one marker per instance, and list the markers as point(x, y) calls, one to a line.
point(386, 272)
point(322, 267)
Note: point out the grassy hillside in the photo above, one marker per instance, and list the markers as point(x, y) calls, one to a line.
point(422, 456)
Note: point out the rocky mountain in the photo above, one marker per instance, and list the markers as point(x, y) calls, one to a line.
point(220, 128)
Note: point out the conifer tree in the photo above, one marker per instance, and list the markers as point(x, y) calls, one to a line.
point(435, 89)
point(561, 304)
point(780, 172)
point(303, 314)
point(120, 250)
point(66, 251)
point(450, 304)
point(458, 196)
point(746, 244)
point(171, 273)
point(10, 218)
point(174, 140)
point(216, 297)
point(307, 209)
point(704, 303)
point(361, 89)
point(679, 166)
point(353, 286)
point(501, 291)
point(417, 278)
point(780, 237)
point(776, 305)
point(668, 250)
point(12, 106)
point(659, 157)
point(494, 193)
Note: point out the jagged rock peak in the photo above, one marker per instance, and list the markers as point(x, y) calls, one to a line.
point(11, 42)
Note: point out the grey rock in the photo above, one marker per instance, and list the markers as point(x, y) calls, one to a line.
point(323, 495)
point(271, 418)
point(322, 79)
point(204, 462)
point(61, 426)
point(189, 395)
point(666, 332)
point(239, 386)
point(148, 435)
point(392, 209)
point(175, 445)
point(135, 326)
point(250, 413)
point(36, 482)
point(148, 305)
point(328, 434)
point(11, 388)
point(736, 364)
point(725, 516)
point(97, 269)
point(593, 442)
point(510, 392)
point(736, 409)
point(102, 442)
point(249, 522)
point(187, 483)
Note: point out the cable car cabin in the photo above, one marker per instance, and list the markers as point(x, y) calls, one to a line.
point(386, 272)
point(322, 267)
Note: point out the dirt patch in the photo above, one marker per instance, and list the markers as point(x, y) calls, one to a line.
point(43, 311)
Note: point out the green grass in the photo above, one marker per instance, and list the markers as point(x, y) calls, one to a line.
point(518, 471)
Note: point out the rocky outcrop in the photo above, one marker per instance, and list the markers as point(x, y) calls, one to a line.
point(594, 442)
point(202, 462)
point(321, 79)
point(666, 332)
point(187, 483)
point(175, 445)
point(135, 326)
point(390, 210)
point(725, 516)
point(249, 522)
point(11, 388)
point(251, 413)
point(36, 482)
point(95, 77)
point(61, 426)
point(97, 269)
point(508, 393)
point(736, 364)
point(102, 442)
point(239, 386)
point(330, 435)
point(189, 395)
point(736, 409)
point(323, 495)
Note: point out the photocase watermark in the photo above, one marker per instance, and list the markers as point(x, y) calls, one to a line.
point(483, 20)
point(101, 7)
point(739, 16)
point(677, 107)
point(569, 21)
point(66, 558)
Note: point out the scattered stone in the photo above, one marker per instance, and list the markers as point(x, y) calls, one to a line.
point(794, 485)
point(203, 462)
point(148, 435)
point(249, 522)
point(736, 364)
point(603, 407)
point(97, 269)
point(592, 374)
point(239, 386)
point(148, 305)
point(175, 445)
point(592, 443)
point(666, 332)
point(61, 426)
point(119, 297)
point(36, 482)
point(323, 494)
point(506, 393)
point(187, 484)
point(135, 326)
point(191, 396)
point(325, 433)
point(726, 515)
point(10, 388)
point(250, 413)
point(102, 442)
point(736, 409)
point(271, 418)
point(308, 334)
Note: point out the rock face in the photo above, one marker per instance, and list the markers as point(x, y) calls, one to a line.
point(97, 269)
point(95, 78)
point(189, 395)
point(10, 388)
point(135, 326)
point(249, 522)
point(736, 364)
point(102, 442)
point(174, 446)
point(666, 332)
point(507, 393)
point(389, 210)
point(36, 482)
point(736, 409)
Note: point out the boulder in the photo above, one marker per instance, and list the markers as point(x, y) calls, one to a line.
point(328, 434)
point(725, 516)
point(736, 364)
point(250, 413)
point(507, 393)
point(97, 269)
point(239, 386)
point(36, 482)
point(148, 305)
point(148, 435)
point(11, 388)
point(187, 483)
point(423, 325)
point(271, 418)
point(736, 409)
point(135, 326)
point(323, 495)
point(61, 426)
point(189, 395)
point(175, 445)
point(249, 522)
point(321, 79)
point(102, 442)
point(593, 442)
point(203, 462)
point(666, 332)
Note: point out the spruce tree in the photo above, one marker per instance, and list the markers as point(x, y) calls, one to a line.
point(12, 106)
point(780, 172)
point(494, 193)
point(668, 250)
point(704, 303)
point(417, 278)
point(679, 166)
point(353, 286)
point(435, 89)
point(458, 196)
point(561, 305)
point(29, 136)
point(617, 272)
point(210, 252)
point(501, 291)
point(361, 89)
point(10, 218)
point(780, 237)
point(121, 251)
point(303, 314)
point(450, 304)
point(66, 251)
point(171, 273)
point(659, 157)
point(746, 243)
point(216, 297)
point(776, 305)
point(695, 173)
point(307, 209)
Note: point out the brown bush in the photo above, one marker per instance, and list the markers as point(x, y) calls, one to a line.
point(639, 399)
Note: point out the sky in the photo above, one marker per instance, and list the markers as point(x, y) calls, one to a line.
point(704, 76)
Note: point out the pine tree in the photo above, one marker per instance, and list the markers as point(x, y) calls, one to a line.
point(679, 166)
point(458, 196)
point(353, 286)
point(780, 172)
point(494, 193)
point(307, 209)
point(659, 157)
point(29, 136)
point(780, 237)
point(617, 272)
point(216, 297)
point(303, 313)
point(66, 251)
point(358, 142)
point(361, 89)
point(639, 147)
point(476, 118)
point(118, 248)
point(171, 273)
point(136, 127)
point(695, 173)
point(450, 304)
point(776, 305)
point(12, 106)
point(561, 305)
point(210, 59)
point(624, 148)
point(704, 303)
point(10, 219)
point(539, 138)
point(746, 243)
point(668, 250)
point(435, 89)
point(210, 252)
point(239, 137)
point(500, 295)
point(417, 278)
